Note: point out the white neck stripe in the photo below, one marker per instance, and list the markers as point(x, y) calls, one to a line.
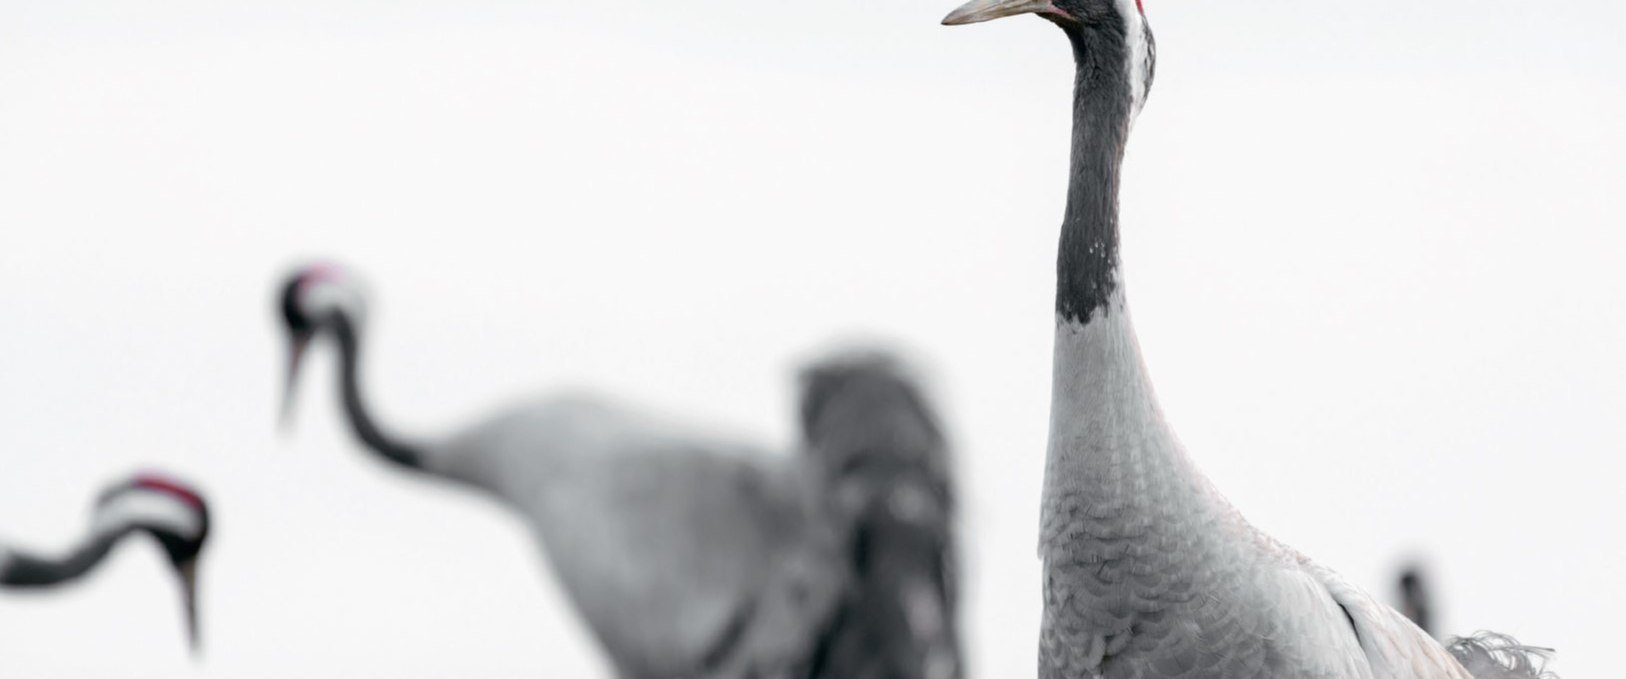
point(1140, 56)
point(151, 508)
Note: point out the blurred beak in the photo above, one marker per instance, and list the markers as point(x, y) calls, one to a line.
point(188, 573)
point(987, 10)
point(296, 353)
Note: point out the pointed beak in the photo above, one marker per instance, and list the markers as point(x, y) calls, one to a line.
point(296, 353)
point(987, 10)
point(188, 573)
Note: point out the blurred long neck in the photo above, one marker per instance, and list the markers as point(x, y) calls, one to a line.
point(23, 570)
point(361, 419)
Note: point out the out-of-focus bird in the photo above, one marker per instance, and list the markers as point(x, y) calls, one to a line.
point(1416, 601)
point(171, 512)
point(690, 555)
point(870, 431)
point(1148, 570)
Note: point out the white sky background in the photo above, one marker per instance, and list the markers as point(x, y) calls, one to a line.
point(1373, 247)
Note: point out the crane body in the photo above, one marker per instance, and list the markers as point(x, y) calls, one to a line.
point(689, 554)
point(1148, 570)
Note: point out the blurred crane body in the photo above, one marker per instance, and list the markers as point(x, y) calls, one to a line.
point(691, 555)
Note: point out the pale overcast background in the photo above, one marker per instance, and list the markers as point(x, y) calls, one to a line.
point(1374, 250)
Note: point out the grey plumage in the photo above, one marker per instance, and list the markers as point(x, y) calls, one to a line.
point(869, 427)
point(693, 555)
point(1486, 655)
point(1148, 570)
point(1489, 655)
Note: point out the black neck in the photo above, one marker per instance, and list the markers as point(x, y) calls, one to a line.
point(361, 420)
point(27, 570)
point(1087, 266)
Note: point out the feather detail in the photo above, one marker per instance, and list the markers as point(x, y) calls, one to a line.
point(1489, 655)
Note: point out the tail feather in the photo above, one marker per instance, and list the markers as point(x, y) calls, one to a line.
point(1488, 655)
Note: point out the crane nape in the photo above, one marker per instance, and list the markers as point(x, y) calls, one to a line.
point(1148, 570)
point(172, 513)
point(690, 555)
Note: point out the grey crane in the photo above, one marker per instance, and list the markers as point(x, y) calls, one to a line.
point(690, 555)
point(1148, 570)
point(171, 512)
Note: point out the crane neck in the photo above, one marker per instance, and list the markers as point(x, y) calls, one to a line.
point(1107, 431)
point(1087, 262)
point(24, 570)
point(361, 419)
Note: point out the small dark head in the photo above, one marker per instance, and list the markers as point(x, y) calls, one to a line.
point(175, 514)
point(865, 419)
point(311, 299)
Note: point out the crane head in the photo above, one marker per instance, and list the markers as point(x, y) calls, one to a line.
point(311, 299)
point(1063, 12)
point(175, 514)
point(1112, 35)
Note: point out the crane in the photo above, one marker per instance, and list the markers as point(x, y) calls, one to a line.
point(1148, 570)
point(171, 512)
point(693, 555)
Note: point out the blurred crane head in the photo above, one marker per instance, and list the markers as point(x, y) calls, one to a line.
point(175, 515)
point(313, 298)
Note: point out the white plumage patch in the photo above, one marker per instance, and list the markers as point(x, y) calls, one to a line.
point(328, 291)
point(149, 508)
point(1140, 55)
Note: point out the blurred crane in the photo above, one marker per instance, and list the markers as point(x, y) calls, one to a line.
point(1416, 599)
point(689, 555)
point(1148, 570)
point(173, 513)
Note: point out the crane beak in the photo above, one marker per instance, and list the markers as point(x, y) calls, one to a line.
point(296, 353)
point(188, 573)
point(986, 10)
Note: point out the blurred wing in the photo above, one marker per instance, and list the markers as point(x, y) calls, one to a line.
point(662, 538)
point(868, 425)
point(898, 619)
